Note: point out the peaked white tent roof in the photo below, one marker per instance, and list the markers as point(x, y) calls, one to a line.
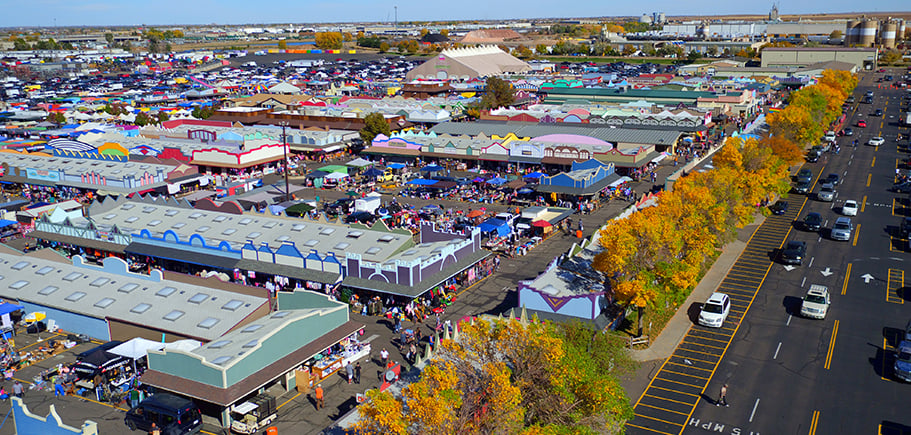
point(136, 348)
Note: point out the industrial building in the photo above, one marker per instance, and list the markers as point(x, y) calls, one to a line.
point(863, 58)
point(468, 63)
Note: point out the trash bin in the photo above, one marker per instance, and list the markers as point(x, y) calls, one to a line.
point(272, 430)
point(578, 234)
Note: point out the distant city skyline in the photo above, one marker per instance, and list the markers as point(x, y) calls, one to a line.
point(48, 13)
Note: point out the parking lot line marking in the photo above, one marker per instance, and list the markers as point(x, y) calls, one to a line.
point(703, 345)
point(658, 419)
point(670, 400)
point(677, 392)
point(699, 352)
point(813, 422)
point(43, 341)
point(677, 382)
point(692, 359)
point(894, 201)
point(663, 409)
point(831, 346)
point(895, 280)
point(647, 428)
point(685, 374)
point(691, 367)
point(776, 351)
point(856, 235)
point(844, 287)
point(101, 403)
point(286, 402)
point(883, 371)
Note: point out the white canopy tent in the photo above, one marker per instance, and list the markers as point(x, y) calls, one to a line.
point(136, 348)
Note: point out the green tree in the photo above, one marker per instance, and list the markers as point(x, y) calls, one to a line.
point(384, 47)
point(693, 55)
point(142, 119)
point(497, 93)
point(374, 125)
point(162, 117)
point(836, 34)
point(541, 49)
point(202, 112)
point(109, 37)
point(21, 45)
point(56, 118)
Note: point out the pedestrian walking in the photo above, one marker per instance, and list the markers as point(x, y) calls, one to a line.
point(58, 387)
point(384, 357)
point(357, 373)
point(17, 389)
point(318, 392)
point(722, 396)
point(349, 369)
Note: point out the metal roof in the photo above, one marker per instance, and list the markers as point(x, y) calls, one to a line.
point(186, 309)
point(534, 130)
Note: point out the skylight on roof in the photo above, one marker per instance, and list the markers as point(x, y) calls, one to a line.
point(109, 216)
point(311, 243)
point(254, 235)
point(280, 315)
point(283, 238)
point(250, 344)
point(232, 305)
point(44, 270)
point(179, 225)
point(203, 229)
point(104, 303)
point(208, 323)
point(154, 222)
point(222, 360)
point(374, 250)
point(355, 234)
point(132, 219)
point(252, 328)
point(327, 231)
point(48, 290)
point(72, 276)
point(198, 298)
point(196, 215)
point(99, 282)
point(173, 315)
point(387, 238)
point(219, 344)
point(270, 224)
point(75, 296)
point(148, 209)
point(171, 213)
point(20, 265)
point(298, 227)
point(229, 231)
point(141, 308)
point(245, 221)
point(220, 218)
point(127, 206)
point(342, 246)
point(165, 292)
point(126, 288)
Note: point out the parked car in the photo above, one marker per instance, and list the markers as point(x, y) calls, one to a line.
point(830, 136)
point(779, 208)
point(812, 156)
point(848, 131)
point(812, 222)
point(794, 252)
point(876, 141)
point(826, 193)
point(905, 228)
point(849, 208)
point(815, 304)
point(842, 229)
point(902, 187)
point(173, 415)
point(715, 310)
point(805, 174)
point(902, 365)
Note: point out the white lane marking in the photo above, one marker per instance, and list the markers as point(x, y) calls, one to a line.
point(754, 410)
point(776, 351)
point(788, 323)
point(811, 262)
point(802, 282)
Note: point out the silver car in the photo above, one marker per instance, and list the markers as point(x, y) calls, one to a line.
point(842, 229)
point(826, 193)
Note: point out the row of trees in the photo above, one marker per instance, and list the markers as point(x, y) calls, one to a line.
point(21, 44)
point(508, 377)
point(654, 257)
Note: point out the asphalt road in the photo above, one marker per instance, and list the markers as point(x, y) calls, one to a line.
point(792, 375)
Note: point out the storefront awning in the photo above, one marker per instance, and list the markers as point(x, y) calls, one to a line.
point(172, 253)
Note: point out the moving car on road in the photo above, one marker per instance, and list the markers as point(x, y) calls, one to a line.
point(876, 141)
point(815, 304)
point(812, 222)
point(794, 252)
point(842, 229)
point(849, 208)
point(826, 193)
point(862, 123)
point(715, 310)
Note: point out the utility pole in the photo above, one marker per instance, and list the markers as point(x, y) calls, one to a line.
point(284, 125)
point(396, 17)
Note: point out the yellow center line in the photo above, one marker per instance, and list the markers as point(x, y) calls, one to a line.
point(831, 346)
point(286, 402)
point(873, 163)
point(844, 287)
point(869, 177)
point(856, 235)
point(863, 204)
point(814, 422)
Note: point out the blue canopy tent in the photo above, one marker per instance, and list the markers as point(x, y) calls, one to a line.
point(534, 175)
point(395, 165)
point(6, 222)
point(421, 182)
point(373, 172)
point(6, 309)
point(496, 181)
point(495, 225)
point(432, 168)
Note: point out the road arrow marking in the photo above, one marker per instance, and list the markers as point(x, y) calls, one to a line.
point(867, 278)
point(788, 267)
point(826, 272)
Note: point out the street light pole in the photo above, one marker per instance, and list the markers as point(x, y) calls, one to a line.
point(284, 124)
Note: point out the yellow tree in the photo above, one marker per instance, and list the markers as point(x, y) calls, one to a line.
point(328, 40)
point(784, 149)
point(382, 413)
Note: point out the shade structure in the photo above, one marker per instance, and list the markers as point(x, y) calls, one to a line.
point(317, 174)
point(352, 193)
point(395, 165)
point(496, 181)
point(432, 168)
point(373, 172)
point(99, 361)
point(136, 348)
point(475, 213)
point(35, 316)
point(336, 176)
point(359, 163)
point(298, 210)
point(525, 191)
point(533, 175)
point(541, 224)
point(335, 169)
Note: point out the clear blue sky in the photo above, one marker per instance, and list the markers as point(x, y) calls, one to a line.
point(171, 12)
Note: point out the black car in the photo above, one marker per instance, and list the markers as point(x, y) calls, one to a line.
point(794, 252)
point(812, 221)
point(779, 207)
point(802, 186)
point(831, 179)
point(362, 217)
point(848, 131)
point(804, 174)
point(878, 112)
point(905, 228)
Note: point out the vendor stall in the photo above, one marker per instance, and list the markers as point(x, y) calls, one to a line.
point(348, 351)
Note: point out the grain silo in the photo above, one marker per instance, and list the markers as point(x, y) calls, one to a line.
point(867, 34)
point(887, 34)
point(901, 31)
point(852, 30)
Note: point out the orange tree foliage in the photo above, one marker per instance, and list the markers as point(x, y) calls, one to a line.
point(811, 109)
point(508, 378)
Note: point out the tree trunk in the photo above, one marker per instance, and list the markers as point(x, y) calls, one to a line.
point(641, 313)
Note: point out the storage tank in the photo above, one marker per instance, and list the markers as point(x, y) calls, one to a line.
point(852, 29)
point(661, 17)
point(645, 19)
point(867, 34)
point(901, 31)
point(887, 35)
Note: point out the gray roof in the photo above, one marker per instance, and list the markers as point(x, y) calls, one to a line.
point(425, 285)
point(524, 129)
point(187, 309)
point(158, 216)
point(78, 166)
